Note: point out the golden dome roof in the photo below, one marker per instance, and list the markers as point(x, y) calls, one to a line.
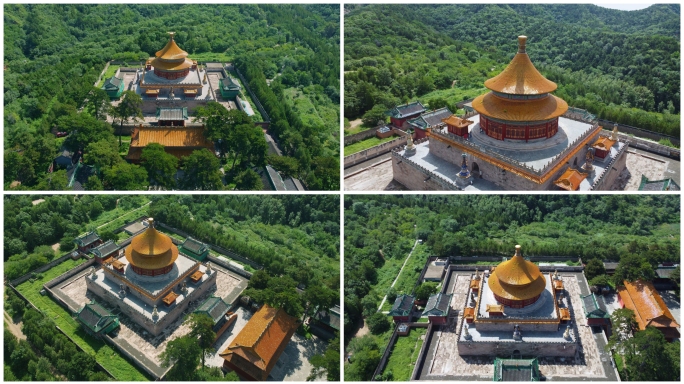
point(151, 249)
point(546, 108)
point(517, 279)
point(171, 51)
point(520, 76)
point(171, 57)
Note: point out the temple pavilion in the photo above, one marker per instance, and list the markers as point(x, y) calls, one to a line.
point(517, 136)
point(171, 75)
point(515, 309)
point(153, 282)
point(256, 349)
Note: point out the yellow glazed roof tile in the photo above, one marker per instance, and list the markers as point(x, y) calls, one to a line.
point(517, 278)
point(542, 109)
point(151, 250)
point(520, 76)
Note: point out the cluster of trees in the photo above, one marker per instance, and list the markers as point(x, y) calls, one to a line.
point(46, 355)
point(317, 159)
point(295, 236)
point(380, 228)
point(31, 230)
point(647, 355)
point(187, 353)
point(601, 61)
point(54, 55)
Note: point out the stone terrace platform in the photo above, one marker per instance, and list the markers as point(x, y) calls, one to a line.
point(534, 153)
point(442, 361)
point(132, 338)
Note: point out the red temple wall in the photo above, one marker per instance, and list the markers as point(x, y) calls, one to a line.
point(171, 75)
point(152, 272)
point(501, 131)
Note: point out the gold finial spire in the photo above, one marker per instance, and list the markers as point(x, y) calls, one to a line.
point(522, 41)
point(172, 34)
point(517, 251)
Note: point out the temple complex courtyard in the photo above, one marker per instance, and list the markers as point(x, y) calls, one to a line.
point(443, 362)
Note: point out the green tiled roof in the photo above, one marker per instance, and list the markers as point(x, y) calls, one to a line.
point(87, 239)
point(95, 317)
point(113, 83)
point(657, 185)
point(229, 84)
point(516, 370)
point(593, 309)
point(402, 306)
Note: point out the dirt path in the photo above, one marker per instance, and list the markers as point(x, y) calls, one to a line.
point(399, 274)
point(145, 205)
point(355, 123)
point(15, 328)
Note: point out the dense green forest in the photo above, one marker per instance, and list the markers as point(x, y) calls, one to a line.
point(621, 66)
point(55, 53)
point(381, 230)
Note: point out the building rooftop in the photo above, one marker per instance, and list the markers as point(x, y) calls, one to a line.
point(431, 119)
point(543, 308)
point(95, 317)
point(260, 343)
point(105, 249)
point(151, 249)
point(171, 137)
point(229, 84)
point(87, 239)
point(520, 77)
point(172, 113)
point(330, 317)
point(213, 307)
point(194, 246)
point(516, 370)
point(571, 179)
point(545, 108)
point(113, 83)
point(517, 278)
point(410, 109)
point(647, 304)
point(657, 185)
point(437, 305)
point(403, 305)
point(593, 308)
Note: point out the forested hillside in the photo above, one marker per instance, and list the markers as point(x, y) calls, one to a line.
point(621, 66)
point(54, 54)
point(380, 231)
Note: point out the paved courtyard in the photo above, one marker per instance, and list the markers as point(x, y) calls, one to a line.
point(444, 363)
point(639, 163)
point(376, 177)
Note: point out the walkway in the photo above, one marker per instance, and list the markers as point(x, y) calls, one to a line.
point(141, 207)
point(399, 274)
point(15, 328)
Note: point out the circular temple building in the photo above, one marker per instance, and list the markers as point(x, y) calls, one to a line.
point(516, 283)
point(171, 62)
point(520, 106)
point(151, 253)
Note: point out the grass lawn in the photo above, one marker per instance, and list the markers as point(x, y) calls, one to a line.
point(365, 144)
point(111, 71)
point(348, 130)
point(619, 365)
point(411, 272)
point(117, 218)
point(303, 105)
point(404, 355)
point(105, 355)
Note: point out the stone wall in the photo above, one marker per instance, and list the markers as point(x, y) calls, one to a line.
point(60, 297)
point(141, 361)
point(150, 105)
point(638, 131)
point(351, 139)
point(375, 151)
point(255, 99)
point(613, 170)
point(649, 146)
point(416, 178)
point(502, 178)
point(482, 348)
point(40, 269)
point(491, 326)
